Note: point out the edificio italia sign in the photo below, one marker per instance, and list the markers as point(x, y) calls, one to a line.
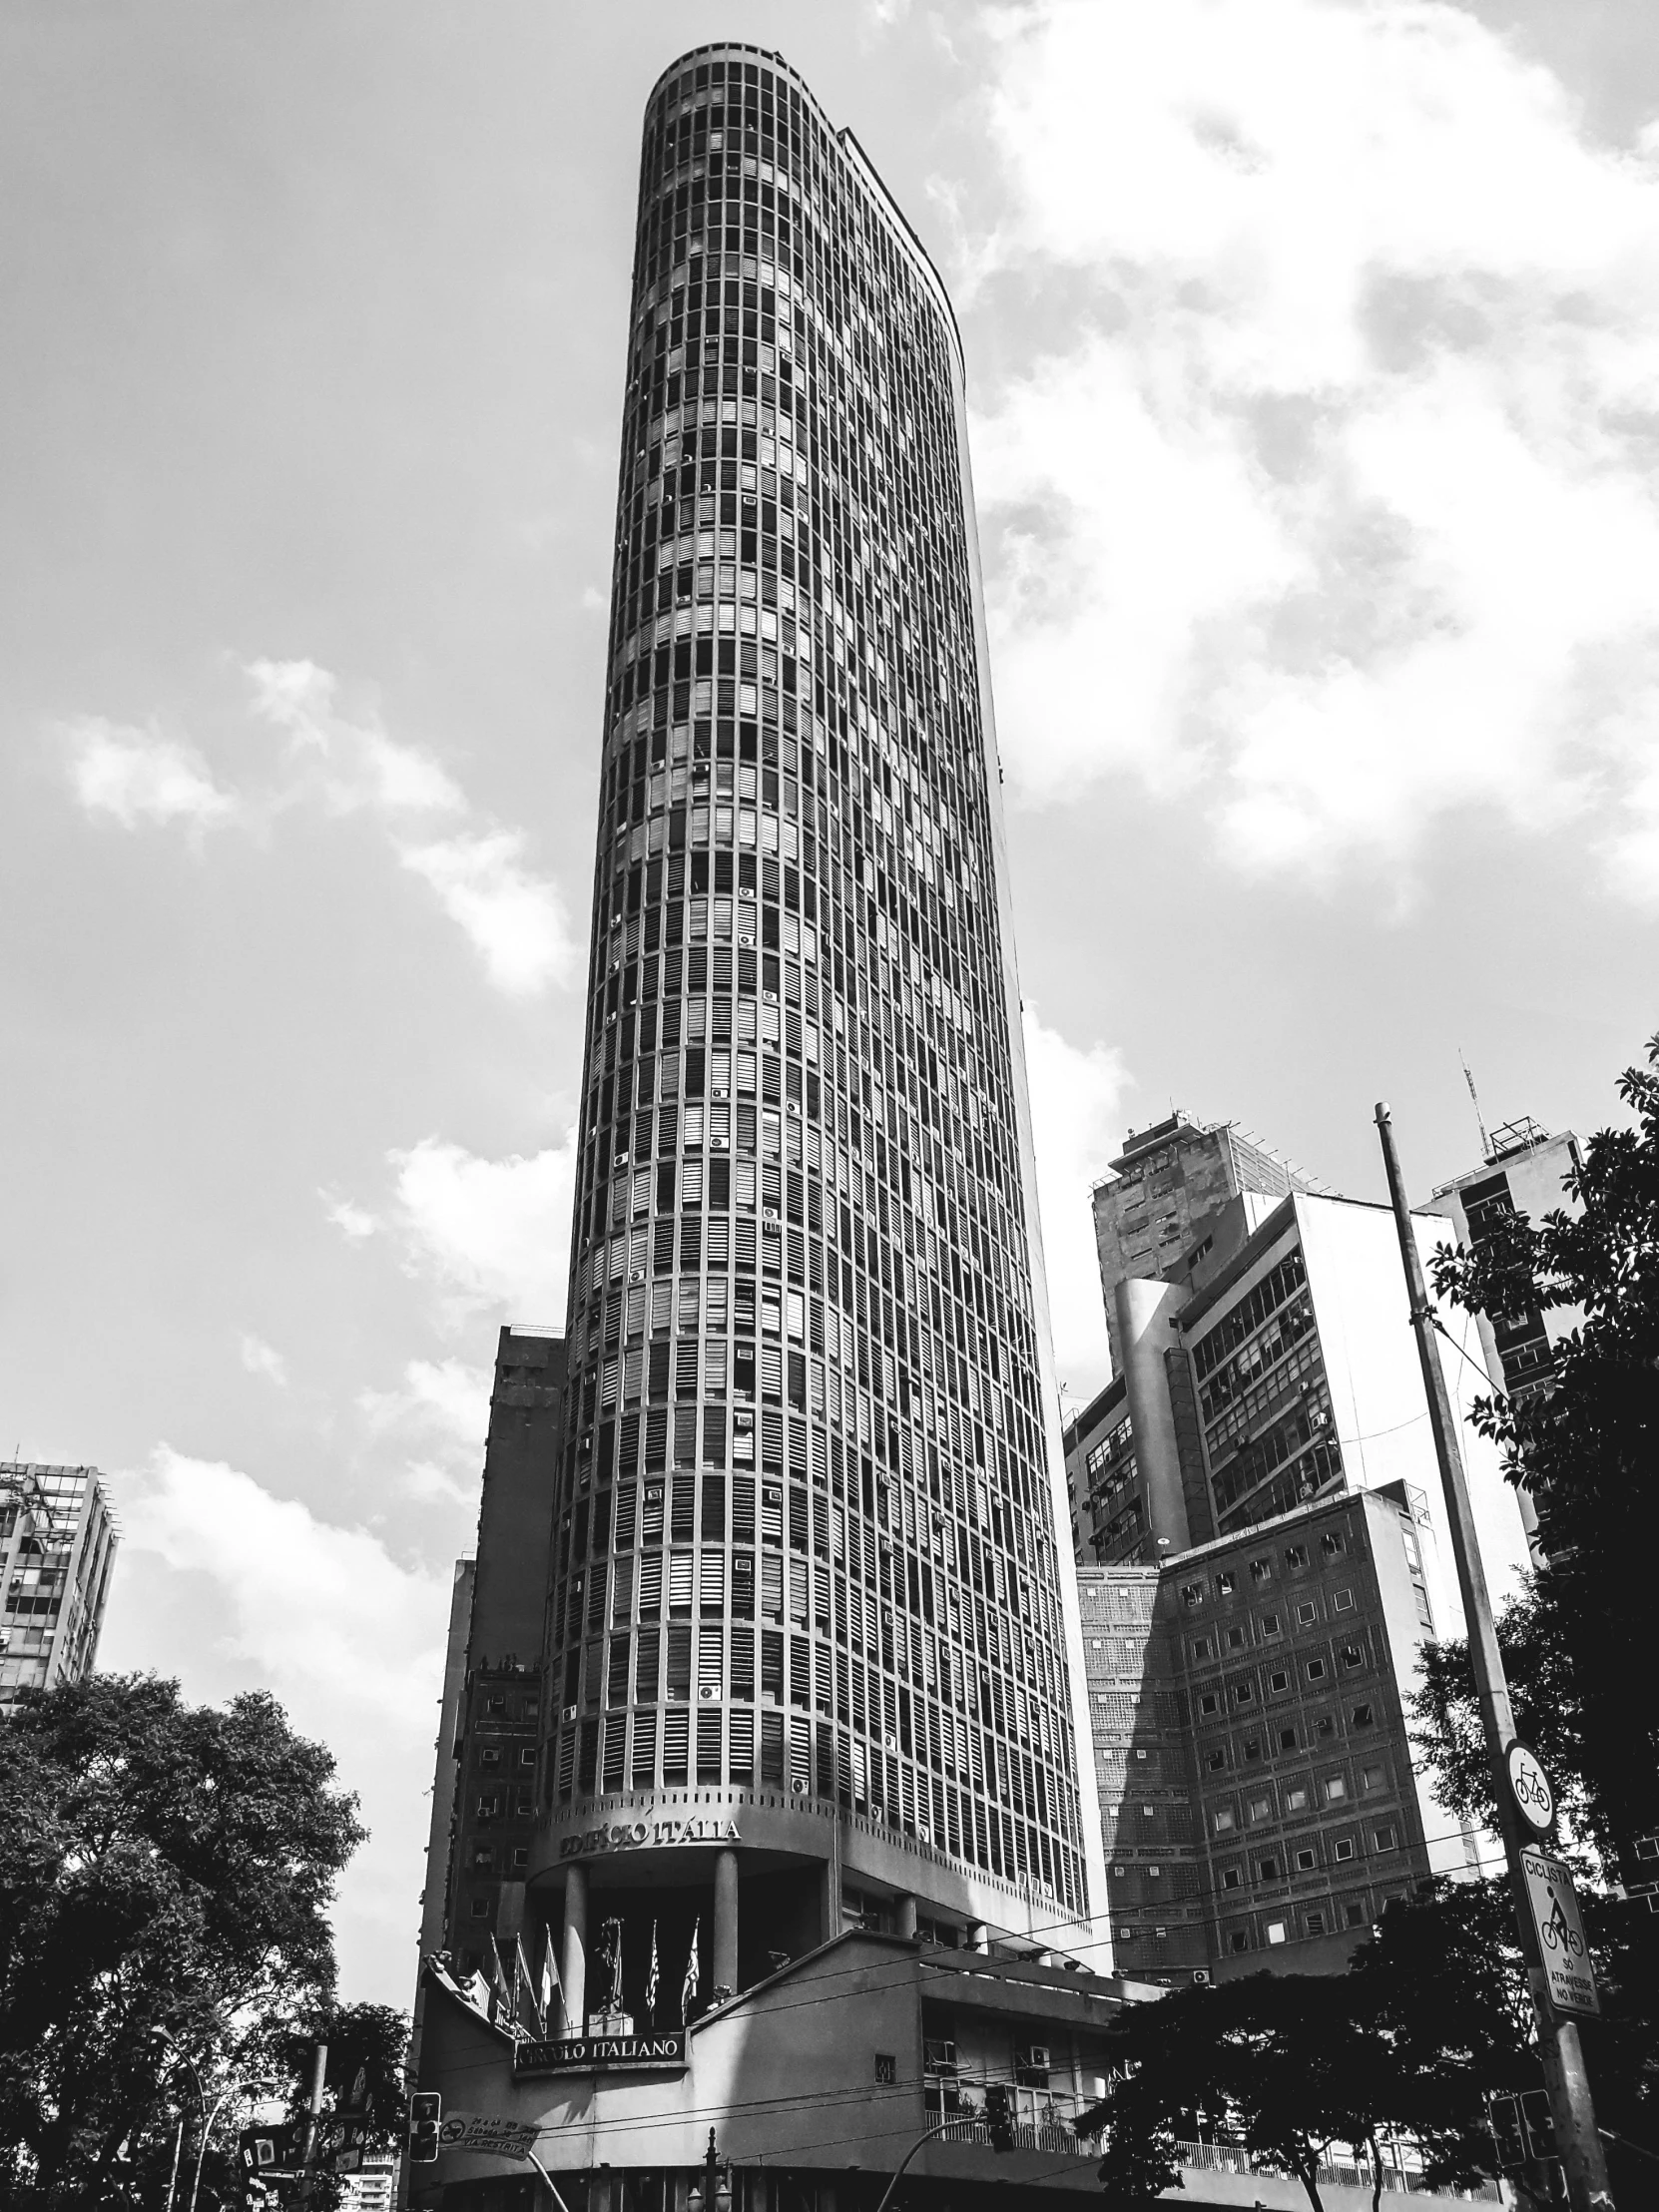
point(711, 1828)
point(600, 2053)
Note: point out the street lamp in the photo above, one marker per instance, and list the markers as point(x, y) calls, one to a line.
point(180, 2059)
point(237, 2089)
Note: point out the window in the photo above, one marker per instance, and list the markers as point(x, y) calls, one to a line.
point(1305, 1862)
point(1316, 1924)
point(1239, 1939)
point(1342, 1602)
point(1279, 1680)
point(1191, 1593)
point(1270, 1624)
point(1296, 1556)
point(1371, 1778)
point(1224, 1585)
point(1287, 1739)
point(1316, 1670)
point(1354, 1912)
point(491, 1755)
point(1352, 1656)
point(1385, 1837)
point(1267, 1870)
point(1261, 1809)
point(521, 1856)
point(1260, 1571)
point(1276, 1931)
point(1343, 1850)
point(1306, 1615)
point(1243, 1692)
point(1336, 1788)
point(1209, 1704)
point(1216, 1759)
point(480, 1908)
point(1361, 1717)
point(1331, 1544)
point(1222, 1819)
point(1235, 1639)
point(1201, 1647)
point(1253, 1748)
point(1296, 1798)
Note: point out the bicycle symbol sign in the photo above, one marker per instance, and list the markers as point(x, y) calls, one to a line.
point(1530, 1785)
point(1567, 1962)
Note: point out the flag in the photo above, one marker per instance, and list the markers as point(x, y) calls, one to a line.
point(689, 1988)
point(551, 1986)
point(503, 1989)
point(651, 1980)
point(524, 1989)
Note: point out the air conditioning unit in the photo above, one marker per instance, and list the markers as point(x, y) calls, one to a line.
point(798, 1787)
point(745, 937)
point(619, 1159)
point(1035, 2058)
point(771, 997)
point(794, 1107)
point(721, 1090)
point(941, 2057)
point(1201, 1973)
point(720, 1144)
point(708, 1693)
point(636, 1274)
point(569, 1713)
point(889, 1742)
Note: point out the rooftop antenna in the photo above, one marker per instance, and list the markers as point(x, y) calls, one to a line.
point(1480, 1118)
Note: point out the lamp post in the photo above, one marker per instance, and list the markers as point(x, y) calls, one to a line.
point(237, 2089)
point(178, 2058)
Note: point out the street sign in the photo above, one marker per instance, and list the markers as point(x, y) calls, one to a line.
point(486, 2136)
point(1530, 1785)
point(1555, 1916)
point(268, 2154)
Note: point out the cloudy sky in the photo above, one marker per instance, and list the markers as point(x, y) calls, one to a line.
point(1314, 349)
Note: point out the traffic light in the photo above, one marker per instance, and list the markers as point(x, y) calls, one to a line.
point(426, 2111)
point(1522, 2129)
point(999, 2115)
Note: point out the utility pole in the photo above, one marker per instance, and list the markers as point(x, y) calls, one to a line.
point(1571, 2112)
point(320, 2069)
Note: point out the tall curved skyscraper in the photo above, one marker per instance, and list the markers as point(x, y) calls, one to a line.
point(811, 1639)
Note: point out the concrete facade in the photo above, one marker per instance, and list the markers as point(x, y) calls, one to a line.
point(1258, 1802)
point(1180, 1195)
point(58, 1541)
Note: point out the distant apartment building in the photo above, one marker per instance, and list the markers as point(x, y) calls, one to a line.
point(58, 1541)
point(1177, 1189)
point(1259, 1804)
point(484, 1781)
point(374, 2187)
point(1523, 1172)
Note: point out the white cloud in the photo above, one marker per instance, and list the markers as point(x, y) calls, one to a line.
point(354, 1222)
point(139, 776)
point(1074, 1125)
point(445, 1403)
point(262, 1358)
point(493, 1234)
point(344, 763)
point(1335, 511)
point(516, 920)
point(349, 1641)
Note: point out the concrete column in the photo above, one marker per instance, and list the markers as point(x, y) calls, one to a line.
point(1146, 1314)
point(573, 1967)
point(726, 1920)
point(905, 1910)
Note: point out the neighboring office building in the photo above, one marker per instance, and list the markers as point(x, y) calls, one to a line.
point(483, 1787)
point(1258, 1795)
point(58, 1541)
point(374, 2187)
point(1271, 1388)
point(1177, 1189)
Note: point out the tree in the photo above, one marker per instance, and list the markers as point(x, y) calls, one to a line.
point(1292, 2063)
point(366, 2046)
point(164, 1877)
point(1585, 1450)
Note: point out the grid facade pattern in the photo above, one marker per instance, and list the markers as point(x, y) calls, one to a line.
point(804, 1538)
point(58, 1541)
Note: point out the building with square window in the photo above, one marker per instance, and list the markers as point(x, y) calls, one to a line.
point(1258, 1803)
point(58, 1539)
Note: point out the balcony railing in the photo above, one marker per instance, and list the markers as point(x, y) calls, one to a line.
point(1043, 2121)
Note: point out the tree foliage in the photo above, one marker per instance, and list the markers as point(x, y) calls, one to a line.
point(164, 1877)
point(1289, 2064)
point(1586, 1452)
